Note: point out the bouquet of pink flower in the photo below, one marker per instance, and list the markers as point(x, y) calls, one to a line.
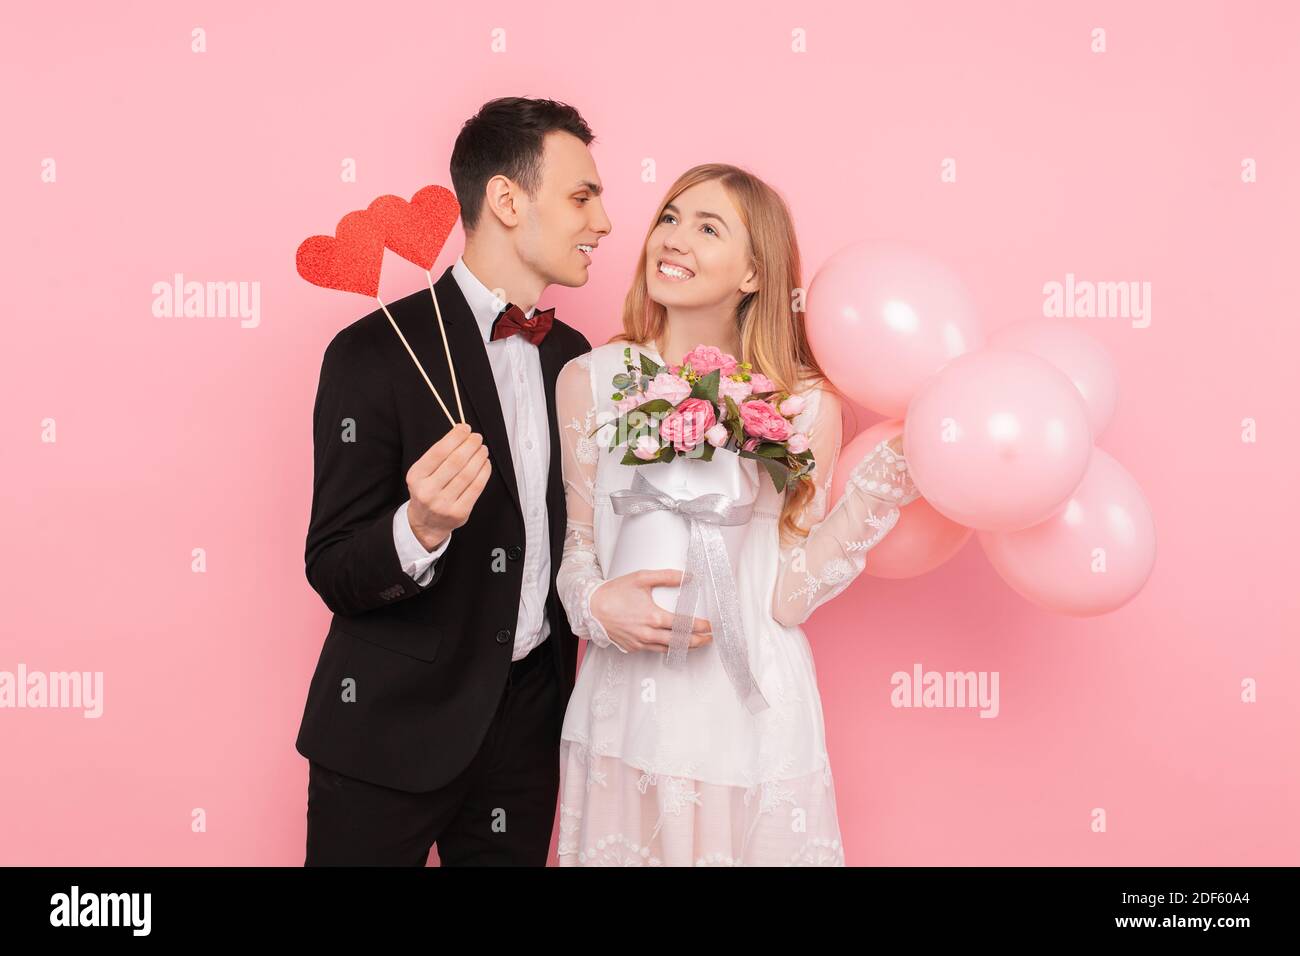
point(709, 401)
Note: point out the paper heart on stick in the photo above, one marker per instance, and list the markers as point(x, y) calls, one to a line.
point(417, 230)
point(349, 260)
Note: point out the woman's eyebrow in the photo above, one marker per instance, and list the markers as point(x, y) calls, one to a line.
point(701, 215)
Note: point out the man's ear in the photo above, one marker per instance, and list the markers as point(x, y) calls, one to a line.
point(499, 200)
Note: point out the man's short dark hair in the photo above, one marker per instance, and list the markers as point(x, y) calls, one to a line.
point(506, 137)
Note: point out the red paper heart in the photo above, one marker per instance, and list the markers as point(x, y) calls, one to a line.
point(417, 230)
point(348, 261)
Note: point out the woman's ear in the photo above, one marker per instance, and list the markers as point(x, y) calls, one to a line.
point(750, 283)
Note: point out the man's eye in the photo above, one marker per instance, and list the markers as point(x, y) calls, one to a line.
point(583, 198)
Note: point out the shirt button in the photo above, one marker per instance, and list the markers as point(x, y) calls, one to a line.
point(503, 635)
point(515, 552)
point(528, 444)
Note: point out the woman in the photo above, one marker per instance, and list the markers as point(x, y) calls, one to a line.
point(663, 765)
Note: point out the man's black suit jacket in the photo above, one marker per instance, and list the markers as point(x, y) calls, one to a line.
point(428, 665)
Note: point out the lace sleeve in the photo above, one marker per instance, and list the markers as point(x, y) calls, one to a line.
point(579, 574)
point(834, 552)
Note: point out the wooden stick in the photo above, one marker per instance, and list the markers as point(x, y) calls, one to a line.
point(416, 361)
point(438, 311)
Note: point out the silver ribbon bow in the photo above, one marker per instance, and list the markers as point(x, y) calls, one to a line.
point(706, 559)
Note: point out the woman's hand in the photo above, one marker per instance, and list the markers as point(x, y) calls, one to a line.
point(625, 609)
point(882, 469)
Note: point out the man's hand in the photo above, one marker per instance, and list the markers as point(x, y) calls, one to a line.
point(632, 619)
point(444, 483)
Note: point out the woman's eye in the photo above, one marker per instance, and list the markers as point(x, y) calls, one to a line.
point(711, 229)
point(666, 215)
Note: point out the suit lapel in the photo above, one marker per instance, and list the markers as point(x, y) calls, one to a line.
point(474, 378)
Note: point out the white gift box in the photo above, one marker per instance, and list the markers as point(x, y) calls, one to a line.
point(660, 539)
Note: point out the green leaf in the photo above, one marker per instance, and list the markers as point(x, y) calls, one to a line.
point(649, 366)
point(778, 470)
point(624, 429)
point(630, 458)
point(737, 423)
point(707, 386)
point(699, 453)
point(622, 380)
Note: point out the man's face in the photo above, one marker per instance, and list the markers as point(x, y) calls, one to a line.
point(557, 226)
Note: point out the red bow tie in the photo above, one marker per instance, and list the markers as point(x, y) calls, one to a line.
point(511, 321)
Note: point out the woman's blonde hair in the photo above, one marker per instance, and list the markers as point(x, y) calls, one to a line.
point(772, 334)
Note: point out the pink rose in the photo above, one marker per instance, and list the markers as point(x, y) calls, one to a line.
point(686, 424)
point(705, 358)
point(737, 391)
point(760, 383)
point(798, 443)
point(717, 435)
point(750, 444)
point(763, 421)
point(667, 386)
point(627, 403)
point(792, 406)
point(646, 448)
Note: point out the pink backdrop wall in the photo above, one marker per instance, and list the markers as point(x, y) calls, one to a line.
point(181, 433)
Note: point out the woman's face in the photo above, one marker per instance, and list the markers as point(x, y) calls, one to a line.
point(698, 253)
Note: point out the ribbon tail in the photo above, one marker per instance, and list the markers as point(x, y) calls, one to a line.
point(687, 598)
point(731, 646)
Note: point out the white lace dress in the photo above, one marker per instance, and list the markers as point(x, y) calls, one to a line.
point(666, 766)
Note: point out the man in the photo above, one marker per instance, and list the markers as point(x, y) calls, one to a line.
point(434, 713)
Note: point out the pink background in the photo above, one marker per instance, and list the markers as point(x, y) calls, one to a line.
point(177, 433)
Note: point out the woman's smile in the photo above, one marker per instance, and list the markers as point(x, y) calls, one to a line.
point(673, 272)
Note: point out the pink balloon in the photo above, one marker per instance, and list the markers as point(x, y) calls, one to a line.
point(997, 440)
point(1092, 556)
point(883, 318)
point(1074, 352)
point(922, 540)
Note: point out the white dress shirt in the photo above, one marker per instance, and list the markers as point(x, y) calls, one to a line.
point(517, 370)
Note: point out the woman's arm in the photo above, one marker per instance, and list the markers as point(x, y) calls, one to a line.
point(825, 562)
point(580, 573)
